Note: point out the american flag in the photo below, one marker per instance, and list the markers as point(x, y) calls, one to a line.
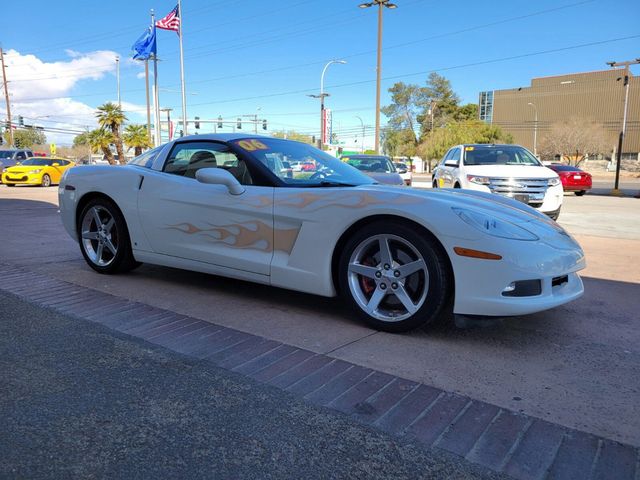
point(171, 21)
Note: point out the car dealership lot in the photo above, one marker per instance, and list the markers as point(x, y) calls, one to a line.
point(576, 365)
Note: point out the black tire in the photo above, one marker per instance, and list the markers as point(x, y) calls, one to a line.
point(118, 236)
point(435, 184)
point(10, 184)
point(580, 193)
point(457, 185)
point(428, 289)
point(46, 180)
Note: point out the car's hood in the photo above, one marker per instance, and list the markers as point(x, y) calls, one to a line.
point(510, 171)
point(24, 168)
point(386, 178)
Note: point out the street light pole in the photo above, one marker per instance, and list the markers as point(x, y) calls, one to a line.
point(118, 79)
point(387, 4)
point(626, 65)
point(321, 97)
point(535, 129)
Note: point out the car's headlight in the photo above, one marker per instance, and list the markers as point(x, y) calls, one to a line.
point(37, 170)
point(554, 181)
point(493, 226)
point(479, 180)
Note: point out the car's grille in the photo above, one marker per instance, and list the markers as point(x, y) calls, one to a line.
point(17, 179)
point(528, 190)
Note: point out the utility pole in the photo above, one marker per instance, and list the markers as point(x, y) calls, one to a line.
point(616, 190)
point(146, 79)
point(6, 96)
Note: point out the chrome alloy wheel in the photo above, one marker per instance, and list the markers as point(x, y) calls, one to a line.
point(99, 237)
point(388, 277)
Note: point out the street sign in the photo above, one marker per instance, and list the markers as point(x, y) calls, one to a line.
point(52, 148)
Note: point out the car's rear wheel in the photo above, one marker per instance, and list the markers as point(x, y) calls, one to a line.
point(46, 180)
point(580, 193)
point(104, 238)
point(394, 277)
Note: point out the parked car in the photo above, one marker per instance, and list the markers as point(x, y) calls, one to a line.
point(573, 179)
point(404, 171)
point(398, 257)
point(378, 167)
point(11, 157)
point(507, 170)
point(36, 171)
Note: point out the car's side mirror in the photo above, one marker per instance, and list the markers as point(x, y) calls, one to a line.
point(286, 164)
point(218, 176)
point(451, 163)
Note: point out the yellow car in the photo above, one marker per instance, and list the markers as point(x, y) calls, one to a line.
point(43, 171)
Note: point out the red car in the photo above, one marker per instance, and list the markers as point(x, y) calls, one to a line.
point(573, 179)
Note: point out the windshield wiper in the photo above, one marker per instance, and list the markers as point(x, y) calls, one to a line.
point(327, 183)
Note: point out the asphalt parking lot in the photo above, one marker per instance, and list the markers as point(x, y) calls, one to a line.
point(577, 365)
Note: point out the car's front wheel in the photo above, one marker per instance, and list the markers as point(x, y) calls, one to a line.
point(580, 193)
point(394, 277)
point(104, 238)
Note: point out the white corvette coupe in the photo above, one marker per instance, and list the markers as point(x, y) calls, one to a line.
point(232, 205)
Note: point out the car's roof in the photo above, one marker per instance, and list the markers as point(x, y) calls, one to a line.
point(489, 145)
point(364, 155)
point(222, 137)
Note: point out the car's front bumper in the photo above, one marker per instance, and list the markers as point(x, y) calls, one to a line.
point(479, 289)
point(26, 179)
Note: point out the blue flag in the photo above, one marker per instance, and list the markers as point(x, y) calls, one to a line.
point(145, 46)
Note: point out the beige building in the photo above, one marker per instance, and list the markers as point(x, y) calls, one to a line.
point(593, 96)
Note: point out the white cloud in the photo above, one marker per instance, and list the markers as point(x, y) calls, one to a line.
point(39, 92)
point(140, 75)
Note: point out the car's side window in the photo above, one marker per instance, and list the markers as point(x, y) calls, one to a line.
point(446, 157)
point(455, 155)
point(187, 158)
point(146, 159)
point(20, 156)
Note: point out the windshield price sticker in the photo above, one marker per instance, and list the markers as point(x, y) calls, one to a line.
point(252, 145)
point(468, 149)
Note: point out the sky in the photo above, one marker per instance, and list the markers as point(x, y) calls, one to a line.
point(253, 57)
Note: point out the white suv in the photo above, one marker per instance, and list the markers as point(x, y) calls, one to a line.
point(509, 170)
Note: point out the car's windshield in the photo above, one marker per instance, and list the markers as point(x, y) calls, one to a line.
point(370, 163)
point(40, 162)
point(6, 153)
point(498, 155)
point(313, 167)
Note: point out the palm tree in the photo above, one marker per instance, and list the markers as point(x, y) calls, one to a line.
point(110, 116)
point(137, 137)
point(101, 139)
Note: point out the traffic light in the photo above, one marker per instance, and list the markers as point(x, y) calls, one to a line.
point(197, 122)
point(219, 121)
point(264, 124)
point(239, 124)
point(20, 121)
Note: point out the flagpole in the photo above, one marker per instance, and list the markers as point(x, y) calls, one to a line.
point(146, 82)
point(184, 98)
point(156, 100)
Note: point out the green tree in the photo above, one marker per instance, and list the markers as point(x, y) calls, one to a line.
point(436, 143)
point(26, 137)
point(439, 103)
point(136, 137)
point(399, 143)
point(466, 112)
point(110, 116)
point(81, 139)
point(101, 139)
